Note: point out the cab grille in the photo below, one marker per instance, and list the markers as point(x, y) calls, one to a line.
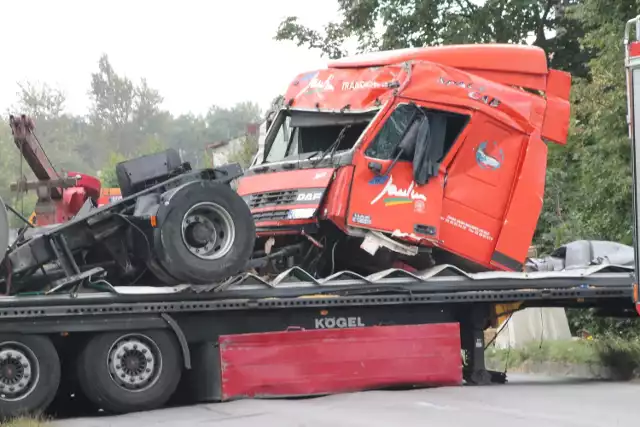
point(270, 216)
point(272, 198)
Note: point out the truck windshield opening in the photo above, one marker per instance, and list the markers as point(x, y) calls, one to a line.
point(300, 135)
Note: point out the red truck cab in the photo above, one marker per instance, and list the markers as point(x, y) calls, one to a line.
point(410, 158)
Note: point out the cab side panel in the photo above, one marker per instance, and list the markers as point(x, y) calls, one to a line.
point(478, 189)
point(524, 209)
point(337, 198)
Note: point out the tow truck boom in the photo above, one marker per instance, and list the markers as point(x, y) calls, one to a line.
point(59, 197)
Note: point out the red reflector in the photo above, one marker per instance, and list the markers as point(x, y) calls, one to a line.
point(634, 49)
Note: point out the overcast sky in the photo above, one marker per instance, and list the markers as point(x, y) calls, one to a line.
point(195, 52)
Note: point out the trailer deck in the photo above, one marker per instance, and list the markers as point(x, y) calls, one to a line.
point(597, 285)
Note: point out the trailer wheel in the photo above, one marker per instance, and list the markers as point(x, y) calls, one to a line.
point(206, 233)
point(29, 374)
point(128, 372)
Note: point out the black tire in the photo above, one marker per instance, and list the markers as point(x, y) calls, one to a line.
point(98, 385)
point(171, 250)
point(44, 373)
point(161, 274)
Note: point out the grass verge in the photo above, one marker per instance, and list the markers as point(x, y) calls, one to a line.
point(620, 357)
point(25, 422)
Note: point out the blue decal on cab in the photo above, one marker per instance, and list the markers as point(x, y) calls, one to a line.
point(486, 161)
point(307, 76)
point(377, 180)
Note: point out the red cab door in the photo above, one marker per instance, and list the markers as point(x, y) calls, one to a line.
point(392, 201)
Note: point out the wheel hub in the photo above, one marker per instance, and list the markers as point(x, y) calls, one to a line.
point(18, 371)
point(200, 232)
point(135, 362)
point(208, 231)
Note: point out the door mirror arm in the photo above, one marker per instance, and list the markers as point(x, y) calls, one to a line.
point(407, 142)
point(393, 163)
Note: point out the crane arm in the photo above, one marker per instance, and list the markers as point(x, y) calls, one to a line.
point(22, 129)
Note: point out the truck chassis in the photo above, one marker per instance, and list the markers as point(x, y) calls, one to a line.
point(163, 331)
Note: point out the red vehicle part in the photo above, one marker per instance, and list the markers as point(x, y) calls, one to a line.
point(59, 197)
point(302, 363)
point(483, 203)
point(278, 209)
point(109, 195)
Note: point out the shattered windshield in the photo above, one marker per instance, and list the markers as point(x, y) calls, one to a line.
point(300, 135)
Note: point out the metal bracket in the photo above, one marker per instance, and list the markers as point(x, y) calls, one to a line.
point(182, 339)
point(374, 239)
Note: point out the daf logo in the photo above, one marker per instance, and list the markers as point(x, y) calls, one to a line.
point(308, 197)
point(338, 322)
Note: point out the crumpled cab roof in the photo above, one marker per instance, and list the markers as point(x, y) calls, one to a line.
point(496, 78)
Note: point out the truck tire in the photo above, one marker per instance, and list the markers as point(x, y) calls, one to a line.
point(205, 233)
point(124, 372)
point(29, 374)
point(161, 274)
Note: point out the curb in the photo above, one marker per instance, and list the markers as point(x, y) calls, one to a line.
point(560, 369)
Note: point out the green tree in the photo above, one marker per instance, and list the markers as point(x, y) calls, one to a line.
point(126, 119)
point(245, 152)
point(392, 24)
point(108, 176)
point(227, 124)
point(112, 96)
point(124, 115)
point(40, 101)
point(589, 181)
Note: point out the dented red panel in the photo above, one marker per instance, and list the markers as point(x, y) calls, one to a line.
point(450, 86)
point(331, 89)
point(299, 363)
point(283, 202)
point(274, 181)
point(558, 112)
point(524, 208)
point(337, 198)
point(468, 233)
point(523, 65)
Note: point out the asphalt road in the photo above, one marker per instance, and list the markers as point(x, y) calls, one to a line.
point(525, 401)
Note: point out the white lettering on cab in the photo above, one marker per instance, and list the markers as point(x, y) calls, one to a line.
point(395, 195)
point(321, 85)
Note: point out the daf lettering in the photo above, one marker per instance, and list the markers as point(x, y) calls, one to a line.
point(308, 197)
point(338, 322)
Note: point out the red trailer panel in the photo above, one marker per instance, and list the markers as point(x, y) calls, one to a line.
point(301, 363)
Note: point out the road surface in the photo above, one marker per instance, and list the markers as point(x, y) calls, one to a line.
point(527, 401)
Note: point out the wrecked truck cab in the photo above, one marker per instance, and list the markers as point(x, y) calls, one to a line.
point(408, 159)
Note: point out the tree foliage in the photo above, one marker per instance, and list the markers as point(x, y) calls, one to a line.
point(125, 119)
point(245, 152)
point(392, 24)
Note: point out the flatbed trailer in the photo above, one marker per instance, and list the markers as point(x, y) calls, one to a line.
point(76, 335)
